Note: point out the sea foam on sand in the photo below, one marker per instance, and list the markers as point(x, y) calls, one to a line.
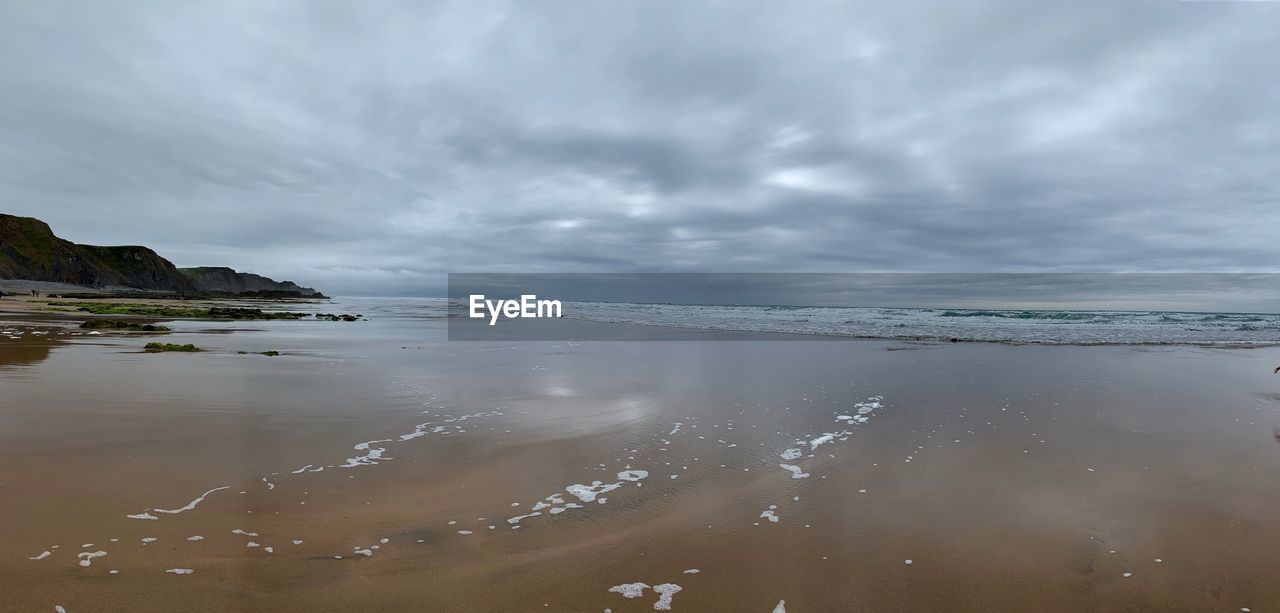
point(86, 558)
point(666, 592)
point(584, 493)
point(796, 471)
point(630, 590)
point(191, 505)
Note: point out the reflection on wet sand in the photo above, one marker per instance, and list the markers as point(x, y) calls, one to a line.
point(22, 344)
point(359, 472)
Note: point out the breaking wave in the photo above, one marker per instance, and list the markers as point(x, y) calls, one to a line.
point(1064, 327)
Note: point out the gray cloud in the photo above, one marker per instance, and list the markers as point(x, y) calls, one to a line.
point(370, 147)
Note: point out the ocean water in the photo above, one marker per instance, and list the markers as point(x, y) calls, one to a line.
point(1066, 327)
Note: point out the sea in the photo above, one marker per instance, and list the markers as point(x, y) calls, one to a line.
point(1062, 327)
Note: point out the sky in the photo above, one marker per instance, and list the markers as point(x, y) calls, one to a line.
point(372, 147)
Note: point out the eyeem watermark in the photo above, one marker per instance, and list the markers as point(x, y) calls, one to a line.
point(528, 306)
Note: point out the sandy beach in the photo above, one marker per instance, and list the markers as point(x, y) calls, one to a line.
point(374, 466)
point(617, 307)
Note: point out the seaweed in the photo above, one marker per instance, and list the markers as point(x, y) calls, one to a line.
point(184, 312)
point(126, 326)
point(161, 347)
point(338, 317)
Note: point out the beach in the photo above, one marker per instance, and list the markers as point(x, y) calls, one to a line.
point(376, 466)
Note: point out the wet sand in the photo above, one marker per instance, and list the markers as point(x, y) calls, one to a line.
point(1013, 477)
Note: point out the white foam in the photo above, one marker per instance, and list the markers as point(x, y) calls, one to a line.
point(301, 470)
point(796, 471)
point(251, 544)
point(418, 430)
point(372, 456)
point(191, 505)
point(666, 591)
point(44, 554)
point(180, 571)
point(587, 493)
point(86, 557)
point(149, 539)
point(518, 518)
point(297, 542)
point(770, 515)
point(692, 571)
point(243, 533)
point(630, 590)
point(781, 608)
point(196, 537)
point(143, 515)
point(822, 440)
point(464, 532)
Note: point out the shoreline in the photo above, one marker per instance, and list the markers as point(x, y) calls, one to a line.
point(29, 308)
point(23, 306)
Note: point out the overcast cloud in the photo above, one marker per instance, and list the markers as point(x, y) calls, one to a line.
point(370, 147)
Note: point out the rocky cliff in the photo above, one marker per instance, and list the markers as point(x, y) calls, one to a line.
point(29, 250)
point(223, 279)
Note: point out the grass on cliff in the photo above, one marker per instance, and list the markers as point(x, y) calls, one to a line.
point(159, 347)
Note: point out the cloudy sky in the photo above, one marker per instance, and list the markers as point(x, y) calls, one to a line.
point(370, 147)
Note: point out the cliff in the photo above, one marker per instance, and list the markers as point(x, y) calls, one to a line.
point(223, 279)
point(30, 251)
